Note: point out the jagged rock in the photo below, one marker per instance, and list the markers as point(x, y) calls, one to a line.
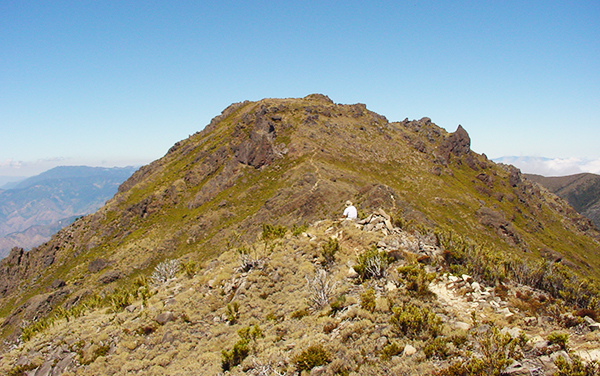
point(494, 219)
point(513, 332)
point(457, 143)
point(45, 369)
point(318, 371)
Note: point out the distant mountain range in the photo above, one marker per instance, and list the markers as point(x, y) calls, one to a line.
point(582, 191)
point(32, 210)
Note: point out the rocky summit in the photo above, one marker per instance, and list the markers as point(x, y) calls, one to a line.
point(228, 256)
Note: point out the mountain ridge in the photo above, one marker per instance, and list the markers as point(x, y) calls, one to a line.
point(292, 162)
point(582, 191)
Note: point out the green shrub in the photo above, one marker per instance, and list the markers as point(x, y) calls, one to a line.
point(328, 251)
point(250, 332)
point(415, 279)
point(437, 348)
point(298, 230)
point(561, 339)
point(575, 367)
point(414, 322)
point(233, 312)
point(367, 300)
point(233, 357)
point(337, 305)
point(270, 233)
point(391, 349)
point(312, 357)
point(497, 351)
point(241, 349)
point(190, 268)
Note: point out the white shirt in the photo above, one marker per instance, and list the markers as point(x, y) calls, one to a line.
point(350, 212)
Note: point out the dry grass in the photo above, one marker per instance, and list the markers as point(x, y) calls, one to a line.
point(356, 336)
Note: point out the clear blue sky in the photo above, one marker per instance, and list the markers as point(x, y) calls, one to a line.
point(119, 82)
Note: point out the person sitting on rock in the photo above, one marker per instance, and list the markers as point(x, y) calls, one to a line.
point(350, 211)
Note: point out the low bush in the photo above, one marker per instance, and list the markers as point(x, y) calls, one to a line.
point(164, 271)
point(391, 349)
point(233, 312)
point(415, 322)
point(241, 349)
point(367, 300)
point(415, 279)
point(372, 264)
point(328, 251)
point(297, 230)
point(312, 357)
point(560, 339)
point(575, 367)
point(437, 348)
point(321, 288)
point(337, 305)
point(496, 351)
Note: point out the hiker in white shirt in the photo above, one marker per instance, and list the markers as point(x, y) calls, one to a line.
point(350, 211)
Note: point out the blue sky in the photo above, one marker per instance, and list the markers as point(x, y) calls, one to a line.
point(108, 83)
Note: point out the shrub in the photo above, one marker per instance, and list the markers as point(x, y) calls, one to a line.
point(560, 339)
point(312, 357)
point(190, 268)
point(391, 349)
point(413, 322)
point(164, 271)
point(119, 299)
point(328, 251)
point(250, 258)
point(241, 349)
point(415, 279)
point(321, 288)
point(270, 233)
point(437, 347)
point(576, 367)
point(233, 357)
point(497, 351)
point(233, 312)
point(337, 305)
point(298, 230)
point(372, 264)
point(367, 300)
point(299, 314)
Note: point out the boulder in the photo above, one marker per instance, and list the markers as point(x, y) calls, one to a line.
point(165, 317)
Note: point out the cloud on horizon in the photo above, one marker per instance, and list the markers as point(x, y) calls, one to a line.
point(552, 166)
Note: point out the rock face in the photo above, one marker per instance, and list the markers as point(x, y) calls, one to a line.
point(291, 162)
point(457, 144)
